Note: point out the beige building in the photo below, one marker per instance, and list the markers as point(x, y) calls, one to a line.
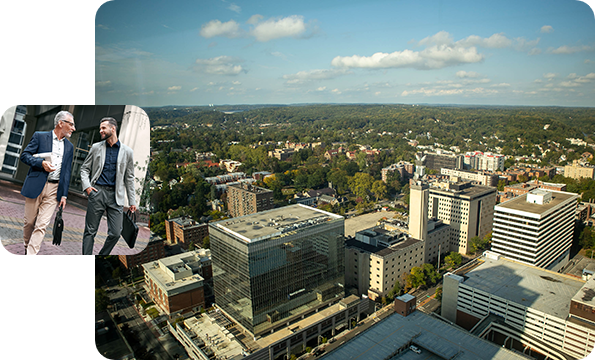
point(467, 209)
point(244, 199)
point(377, 258)
point(434, 232)
point(477, 177)
point(576, 171)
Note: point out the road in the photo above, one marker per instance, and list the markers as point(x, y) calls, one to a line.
point(147, 339)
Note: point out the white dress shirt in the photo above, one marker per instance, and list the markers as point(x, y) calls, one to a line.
point(57, 154)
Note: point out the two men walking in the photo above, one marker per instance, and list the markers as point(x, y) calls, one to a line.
point(106, 174)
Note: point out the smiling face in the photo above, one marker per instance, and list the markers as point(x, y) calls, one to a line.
point(66, 127)
point(106, 130)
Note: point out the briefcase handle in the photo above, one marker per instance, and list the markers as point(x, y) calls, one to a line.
point(131, 215)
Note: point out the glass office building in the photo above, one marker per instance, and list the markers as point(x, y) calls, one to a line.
point(275, 266)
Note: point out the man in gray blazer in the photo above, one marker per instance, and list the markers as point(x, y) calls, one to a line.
point(107, 172)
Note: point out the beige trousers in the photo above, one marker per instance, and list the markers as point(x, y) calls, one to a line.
point(38, 213)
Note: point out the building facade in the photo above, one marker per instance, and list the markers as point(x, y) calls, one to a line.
point(176, 283)
point(522, 307)
point(377, 258)
point(274, 266)
point(536, 228)
point(467, 209)
point(155, 250)
point(576, 171)
point(244, 199)
point(476, 177)
point(184, 231)
point(483, 161)
point(437, 161)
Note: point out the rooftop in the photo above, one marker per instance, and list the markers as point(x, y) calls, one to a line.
point(175, 273)
point(520, 203)
point(436, 339)
point(269, 223)
point(586, 295)
point(464, 191)
point(526, 285)
point(215, 337)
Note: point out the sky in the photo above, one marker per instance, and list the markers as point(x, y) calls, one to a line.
point(154, 53)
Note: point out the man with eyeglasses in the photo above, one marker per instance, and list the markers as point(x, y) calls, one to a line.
point(49, 156)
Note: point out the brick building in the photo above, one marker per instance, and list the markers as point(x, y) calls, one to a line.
point(177, 283)
point(184, 230)
point(244, 199)
point(155, 250)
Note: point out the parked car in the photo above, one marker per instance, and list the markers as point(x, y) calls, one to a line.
point(415, 349)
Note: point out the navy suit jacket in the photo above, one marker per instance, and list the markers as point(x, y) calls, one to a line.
point(41, 142)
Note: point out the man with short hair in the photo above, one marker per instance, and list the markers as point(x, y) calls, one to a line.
point(49, 155)
point(107, 172)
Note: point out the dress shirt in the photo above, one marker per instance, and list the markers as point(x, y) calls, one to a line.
point(57, 154)
point(108, 175)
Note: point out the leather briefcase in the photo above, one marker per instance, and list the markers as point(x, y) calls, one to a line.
point(129, 228)
point(58, 227)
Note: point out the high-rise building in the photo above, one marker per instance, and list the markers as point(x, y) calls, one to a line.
point(273, 267)
point(184, 231)
point(376, 258)
point(467, 209)
point(536, 228)
point(483, 161)
point(244, 199)
point(477, 177)
point(535, 311)
point(442, 159)
point(176, 283)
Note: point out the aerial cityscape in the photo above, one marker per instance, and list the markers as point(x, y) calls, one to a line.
point(314, 180)
point(355, 180)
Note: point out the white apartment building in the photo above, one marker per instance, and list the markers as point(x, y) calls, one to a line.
point(521, 307)
point(483, 161)
point(536, 228)
point(479, 178)
point(467, 209)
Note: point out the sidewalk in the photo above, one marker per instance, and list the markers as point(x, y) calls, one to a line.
point(12, 209)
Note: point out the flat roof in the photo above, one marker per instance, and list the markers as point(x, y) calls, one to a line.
point(435, 338)
point(274, 222)
point(165, 281)
point(471, 192)
point(586, 294)
point(218, 339)
point(526, 285)
point(520, 203)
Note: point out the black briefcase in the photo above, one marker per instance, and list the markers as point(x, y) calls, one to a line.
point(58, 228)
point(129, 228)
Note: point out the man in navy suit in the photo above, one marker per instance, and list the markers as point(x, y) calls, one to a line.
point(49, 155)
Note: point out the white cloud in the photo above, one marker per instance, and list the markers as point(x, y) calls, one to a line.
point(102, 27)
point(234, 7)
point(549, 76)
point(501, 85)
point(449, 92)
point(336, 91)
point(588, 61)
point(291, 26)
point(230, 29)
point(254, 19)
point(565, 49)
point(435, 57)
point(465, 74)
point(174, 88)
point(236, 83)
point(103, 83)
point(194, 89)
point(221, 65)
point(319, 74)
point(521, 44)
point(494, 41)
point(534, 51)
point(322, 88)
point(546, 29)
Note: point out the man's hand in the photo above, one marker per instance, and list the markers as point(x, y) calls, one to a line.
point(62, 203)
point(47, 166)
point(133, 208)
point(89, 189)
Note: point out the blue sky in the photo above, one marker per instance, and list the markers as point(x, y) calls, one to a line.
point(153, 53)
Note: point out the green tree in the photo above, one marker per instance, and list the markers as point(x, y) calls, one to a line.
point(360, 183)
point(101, 300)
point(439, 294)
point(430, 273)
point(416, 277)
point(206, 242)
point(454, 259)
point(501, 185)
point(379, 189)
point(117, 273)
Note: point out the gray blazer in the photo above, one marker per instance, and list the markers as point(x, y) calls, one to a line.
point(93, 166)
